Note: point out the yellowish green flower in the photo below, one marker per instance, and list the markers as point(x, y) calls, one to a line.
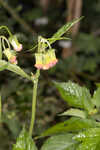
point(10, 56)
point(46, 60)
point(14, 42)
point(39, 60)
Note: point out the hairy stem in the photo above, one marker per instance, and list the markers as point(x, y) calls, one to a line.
point(34, 102)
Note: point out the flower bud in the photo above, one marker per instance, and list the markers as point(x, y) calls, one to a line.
point(46, 60)
point(39, 60)
point(13, 60)
point(14, 42)
point(50, 59)
point(54, 60)
point(10, 56)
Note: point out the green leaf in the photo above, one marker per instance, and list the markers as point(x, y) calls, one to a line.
point(90, 144)
point(74, 112)
point(56, 39)
point(24, 142)
point(13, 124)
point(96, 98)
point(3, 67)
point(74, 124)
point(90, 139)
point(96, 117)
point(75, 95)
point(64, 29)
point(97, 84)
point(87, 134)
point(14, 68)
point(61, 31)
point(59, 142)
point(73, 147)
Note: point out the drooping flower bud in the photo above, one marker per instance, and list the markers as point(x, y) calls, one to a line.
point(50, 59)
point(13, 60)
point(10, 56)
point(46, 60)
point(14, 42)
point(53, 57)
point(39, 60)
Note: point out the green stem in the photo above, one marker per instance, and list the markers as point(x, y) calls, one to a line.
point(6, 40)
point(0, 108)
point(6, 30)
point(0, 49)
point(34, 102)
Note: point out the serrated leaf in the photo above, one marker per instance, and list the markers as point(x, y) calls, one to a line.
point(96, 98)
point(90, 144)
point(24, 142)
point(59, 142)
point(14, 68)
point(74, 124)
point(75, 95)
point(64, 29)
point(74, 112)
point(87, 134)
point(90, 139)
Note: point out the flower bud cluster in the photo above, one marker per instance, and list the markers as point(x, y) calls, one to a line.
point(11, 54)
point(46, 60)
point(14, 42)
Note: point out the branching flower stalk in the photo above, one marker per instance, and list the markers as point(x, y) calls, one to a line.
point(45, 59)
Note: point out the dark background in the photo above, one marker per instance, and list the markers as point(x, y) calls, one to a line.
point(79, 59)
